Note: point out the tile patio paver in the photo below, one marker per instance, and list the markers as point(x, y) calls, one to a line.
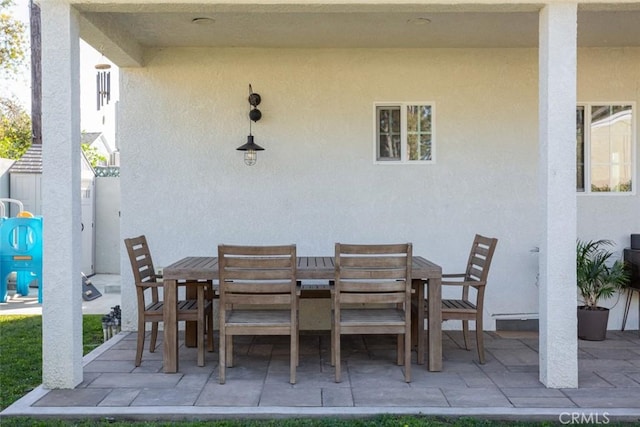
point(487, 397)
point(258, 385)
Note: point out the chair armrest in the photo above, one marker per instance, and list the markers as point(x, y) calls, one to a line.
point(474, 283)
point(454, 275)
point(149, 284)
point(451, 283)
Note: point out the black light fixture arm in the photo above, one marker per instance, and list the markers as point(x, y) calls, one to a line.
point(254, 101)
point(251, 148)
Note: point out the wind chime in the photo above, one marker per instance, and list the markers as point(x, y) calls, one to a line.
point(103, 84)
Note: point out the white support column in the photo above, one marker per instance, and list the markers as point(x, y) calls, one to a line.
point(557, 139)
point(62, 289)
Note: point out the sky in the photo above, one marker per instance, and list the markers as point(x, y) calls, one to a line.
point(19, 87)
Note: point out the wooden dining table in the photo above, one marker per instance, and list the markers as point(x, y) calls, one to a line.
point(309, 268)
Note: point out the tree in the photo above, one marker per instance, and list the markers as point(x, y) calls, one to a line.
point(12, 41)
point(93, 155)
point(15, 129)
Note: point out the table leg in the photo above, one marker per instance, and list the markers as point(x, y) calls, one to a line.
point(435, 324)
point(418, 322)
point(170, 353)
point(190, 329)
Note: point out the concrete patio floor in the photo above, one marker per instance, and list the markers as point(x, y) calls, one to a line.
point(506, 387)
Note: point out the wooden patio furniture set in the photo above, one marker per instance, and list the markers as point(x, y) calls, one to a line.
point(374, 289)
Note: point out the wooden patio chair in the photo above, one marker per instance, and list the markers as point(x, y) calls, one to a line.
point(151, 306)
point(372, 295)
point(258, 296)
point(475, 276)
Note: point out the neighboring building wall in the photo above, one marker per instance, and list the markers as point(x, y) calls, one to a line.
point(108, 243)
point(5, 165)
point(27, 187)
point(186, 187)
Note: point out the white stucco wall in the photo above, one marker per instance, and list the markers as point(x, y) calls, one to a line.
point(186, 187)
point(611, 75)
point(108, 243)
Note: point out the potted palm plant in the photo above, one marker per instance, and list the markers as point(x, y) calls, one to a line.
point(597, 278)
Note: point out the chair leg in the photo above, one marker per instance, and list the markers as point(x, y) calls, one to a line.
point(465, 333)
point(210, 330)
point(293, 358)
point(200, 326)
point(400, 349)
point(337, 359)
point(140, 344)
point(298, 338)
point(229, 351)
point(480, 338)
point(154, 337)
point(333, 356)
point(335, 351)
point(407, 360)
point(222, 363)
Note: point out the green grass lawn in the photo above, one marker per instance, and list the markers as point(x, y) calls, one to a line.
point(21, 352)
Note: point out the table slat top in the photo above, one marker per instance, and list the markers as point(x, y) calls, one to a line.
point(309, 267)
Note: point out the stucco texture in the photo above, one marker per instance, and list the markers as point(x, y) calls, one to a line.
point(185, 186)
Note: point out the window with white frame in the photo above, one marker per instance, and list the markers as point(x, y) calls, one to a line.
point(404, 133)
point(604, 150)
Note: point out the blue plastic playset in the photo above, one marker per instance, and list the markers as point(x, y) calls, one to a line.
point(20, 250)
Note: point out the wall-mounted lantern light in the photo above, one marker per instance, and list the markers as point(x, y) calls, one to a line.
point(251, 148)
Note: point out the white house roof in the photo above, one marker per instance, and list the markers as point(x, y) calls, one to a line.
point(89, 137)
point(30, 162)
point(5, 165)
point(98, 141)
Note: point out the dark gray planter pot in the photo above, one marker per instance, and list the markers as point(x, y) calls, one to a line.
point(592, 324)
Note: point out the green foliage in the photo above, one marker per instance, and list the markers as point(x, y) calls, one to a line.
point(13, 45)
point(21, 353)
point(15, 129)
point(93, 155)
point(598, 278)
point(623, 187)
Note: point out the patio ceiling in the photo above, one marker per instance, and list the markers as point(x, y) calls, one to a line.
point(135, 28)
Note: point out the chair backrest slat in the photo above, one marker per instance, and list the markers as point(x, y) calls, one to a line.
point(258, 287)
point(372, 298)
point(372, 269)
point(281, 261)
point(257, 299)
point(361, 249)
point(140, 259)
point(376, 286)
point(264, 275)
point(249, 274)
point(373, 261)
point(251, 251)
point(480, 258)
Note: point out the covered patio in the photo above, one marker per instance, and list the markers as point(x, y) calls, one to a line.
point(500, 84)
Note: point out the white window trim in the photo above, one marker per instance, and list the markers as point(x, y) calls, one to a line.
point(587, 155)
point(403, 133)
